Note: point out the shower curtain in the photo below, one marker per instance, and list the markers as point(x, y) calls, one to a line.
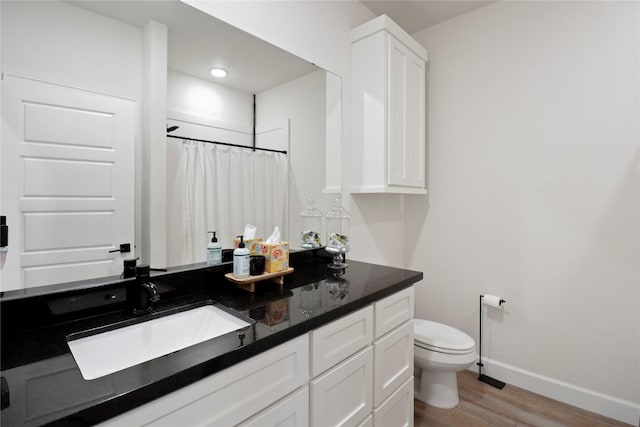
point(226, 188)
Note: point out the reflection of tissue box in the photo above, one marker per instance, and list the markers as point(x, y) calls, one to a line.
point(276, 254)
point(276, 312)
point(251, 244)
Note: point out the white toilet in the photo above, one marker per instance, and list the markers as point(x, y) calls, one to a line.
point(439, 352)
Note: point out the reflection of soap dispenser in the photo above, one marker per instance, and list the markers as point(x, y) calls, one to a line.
point(241, 261)
point(214, 251)
point(4, 240)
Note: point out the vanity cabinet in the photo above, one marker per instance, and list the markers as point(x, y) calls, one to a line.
point(343, 395)
point(354, 371)
point(362, 366)
point(292, 410)
point(340, 339)
point(396, 411)
point(388, 116)
point(393, 360)
point(230, 396)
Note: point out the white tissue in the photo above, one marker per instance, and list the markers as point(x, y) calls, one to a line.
point(275, 236)
point(249, 232)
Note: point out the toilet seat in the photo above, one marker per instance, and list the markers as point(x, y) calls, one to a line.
point(441, 338)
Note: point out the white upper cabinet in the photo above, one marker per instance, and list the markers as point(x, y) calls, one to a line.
point(388, 98)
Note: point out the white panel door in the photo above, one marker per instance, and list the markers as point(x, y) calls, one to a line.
point(68, 182)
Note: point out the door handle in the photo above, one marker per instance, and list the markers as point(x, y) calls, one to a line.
point(124, 248)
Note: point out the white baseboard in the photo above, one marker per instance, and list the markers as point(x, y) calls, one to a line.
point(608, 406)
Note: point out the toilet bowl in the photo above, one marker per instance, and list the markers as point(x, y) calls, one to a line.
point(439, 352)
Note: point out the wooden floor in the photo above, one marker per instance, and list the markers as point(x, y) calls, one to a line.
point(482, 405)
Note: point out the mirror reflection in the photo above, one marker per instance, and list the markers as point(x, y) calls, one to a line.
point(87, 166)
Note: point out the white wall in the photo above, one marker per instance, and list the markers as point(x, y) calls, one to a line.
point(60, 43)
point(188, 94)
point(534, 189)
point(303, 102)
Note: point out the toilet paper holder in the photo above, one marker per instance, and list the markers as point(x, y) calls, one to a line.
point(491, 300)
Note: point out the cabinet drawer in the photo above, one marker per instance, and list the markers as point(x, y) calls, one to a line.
point(227, 397)
point(343, 395)
point(338, 340)
point(393, 361)
point(291, 411)
point(396, 411)
point(393, 311)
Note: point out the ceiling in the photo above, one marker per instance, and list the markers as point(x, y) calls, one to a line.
point(416, 15)
point(197, 42)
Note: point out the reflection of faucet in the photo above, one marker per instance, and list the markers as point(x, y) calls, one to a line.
point(143, 292)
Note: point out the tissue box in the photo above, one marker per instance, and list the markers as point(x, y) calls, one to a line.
point(276, 254)
point(251, 244)
point(276, 312)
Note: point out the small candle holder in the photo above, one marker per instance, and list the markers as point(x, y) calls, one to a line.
point(311, 222)
point(338, 235)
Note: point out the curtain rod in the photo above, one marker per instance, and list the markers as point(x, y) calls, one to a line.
point(226, 143)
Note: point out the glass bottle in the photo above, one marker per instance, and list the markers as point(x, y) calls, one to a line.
point(338, 234)
point(311, 222)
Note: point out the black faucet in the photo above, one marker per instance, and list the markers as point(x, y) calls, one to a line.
point(142, 293)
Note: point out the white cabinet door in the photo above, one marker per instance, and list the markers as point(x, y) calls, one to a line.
point(406, 114)
point(393, 361)
point(67, 182)
point(393, 311)
point(338, 340)
point(397, 411)
point(343, 395)
point(291, 411)
point(228, 397)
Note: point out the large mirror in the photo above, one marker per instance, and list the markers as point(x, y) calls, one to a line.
point(77, 97)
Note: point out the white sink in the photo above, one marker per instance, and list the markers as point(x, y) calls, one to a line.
point(108, 352)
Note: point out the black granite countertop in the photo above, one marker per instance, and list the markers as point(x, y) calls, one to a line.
point(44, 386)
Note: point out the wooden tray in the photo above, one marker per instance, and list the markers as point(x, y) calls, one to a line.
point(249, 284)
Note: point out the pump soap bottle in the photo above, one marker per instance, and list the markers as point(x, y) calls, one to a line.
point(214, 251)
point(241, 261)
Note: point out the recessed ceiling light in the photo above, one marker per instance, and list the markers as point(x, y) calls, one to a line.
point(218, 72)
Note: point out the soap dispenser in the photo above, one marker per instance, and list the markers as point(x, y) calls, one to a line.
point(214, 251)
point(241, 260)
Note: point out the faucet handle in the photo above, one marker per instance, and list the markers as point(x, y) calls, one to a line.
point(155, 296)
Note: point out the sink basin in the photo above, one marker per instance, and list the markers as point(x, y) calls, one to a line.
point(111, 351)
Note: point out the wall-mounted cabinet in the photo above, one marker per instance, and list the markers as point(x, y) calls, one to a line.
point(388, 117)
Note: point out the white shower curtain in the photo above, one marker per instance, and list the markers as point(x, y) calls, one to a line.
point(226, 188)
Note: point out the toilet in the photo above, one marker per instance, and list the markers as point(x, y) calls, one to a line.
point(439, 352)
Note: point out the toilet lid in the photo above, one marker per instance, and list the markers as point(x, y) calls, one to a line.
point(438, 337)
